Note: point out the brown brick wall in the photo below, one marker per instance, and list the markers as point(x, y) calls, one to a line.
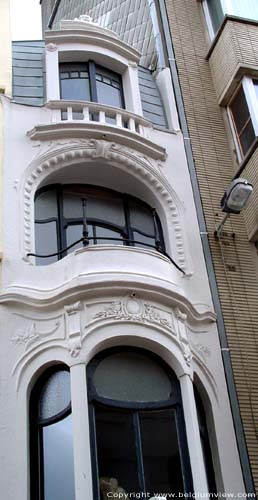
point(235, 258)
point(236, 49)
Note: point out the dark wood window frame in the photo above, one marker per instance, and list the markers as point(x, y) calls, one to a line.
point(173, 403)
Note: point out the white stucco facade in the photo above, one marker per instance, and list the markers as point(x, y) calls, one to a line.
point(104, 295)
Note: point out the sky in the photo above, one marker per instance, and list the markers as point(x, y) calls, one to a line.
point(25, 20)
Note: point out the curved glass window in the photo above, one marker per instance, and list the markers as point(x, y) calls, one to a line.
point(52, 469)
point(68, 217)
point(138, 432)
point(90, 82)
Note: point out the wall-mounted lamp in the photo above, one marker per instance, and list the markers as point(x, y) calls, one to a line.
point(235, 199)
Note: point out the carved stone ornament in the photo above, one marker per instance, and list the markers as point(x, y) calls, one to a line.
point(51, 47)
point(73, 328)
point(31, 334)
point(133, 308)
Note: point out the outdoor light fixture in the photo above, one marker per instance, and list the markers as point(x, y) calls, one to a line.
point(236, 196)
point(235, 199)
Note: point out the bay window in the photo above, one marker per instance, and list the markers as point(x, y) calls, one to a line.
point(68, 217)
point(90, 82)
point(215, 11)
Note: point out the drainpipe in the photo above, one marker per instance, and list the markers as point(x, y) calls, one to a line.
point(244, 459)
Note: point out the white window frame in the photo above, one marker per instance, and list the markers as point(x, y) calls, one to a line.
point(252, 104)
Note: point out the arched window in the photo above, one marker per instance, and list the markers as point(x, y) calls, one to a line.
point(51, 446)
point(70, 216)
point(138, 431)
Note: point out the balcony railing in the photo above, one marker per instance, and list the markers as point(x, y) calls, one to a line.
point(84, 111)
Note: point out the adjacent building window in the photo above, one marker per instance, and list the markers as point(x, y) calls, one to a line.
point(215, 11)
point(243, 114)
point(70, 216)
point(90, 82)
point(138, 433)
point(51, 442)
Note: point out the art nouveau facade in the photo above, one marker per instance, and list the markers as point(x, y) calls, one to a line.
point(93, 185)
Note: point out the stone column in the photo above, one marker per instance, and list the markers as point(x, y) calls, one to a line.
point(81, 436)
point(193, 436)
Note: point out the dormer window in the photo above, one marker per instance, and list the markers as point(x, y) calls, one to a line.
point(90, 82)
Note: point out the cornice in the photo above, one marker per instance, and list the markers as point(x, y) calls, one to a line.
point(90, 37)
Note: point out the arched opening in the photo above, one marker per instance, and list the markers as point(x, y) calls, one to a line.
point(137, 425)
point(51, 440)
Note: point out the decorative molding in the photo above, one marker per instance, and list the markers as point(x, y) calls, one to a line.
point(183, 335)
point(81, 150)
point(73, 327)
point(133, 308)
point(201, 349)
point(30, 334)
point(51, 47)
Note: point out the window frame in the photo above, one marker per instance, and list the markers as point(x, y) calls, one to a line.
point(36, 427)
point(91, 68)
point(174, 403)
point(252, 105)
point(127, 231)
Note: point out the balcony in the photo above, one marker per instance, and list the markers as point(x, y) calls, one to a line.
point(94, 267)
point(233, 54)
point(83, 119)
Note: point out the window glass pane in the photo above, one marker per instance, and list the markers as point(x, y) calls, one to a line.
point(129, 376)
point(117, 463)
point(75, 89)
point(245, 8)
point(108, 95)
point(74, 233)
point(45, 241)
point(141, 218)
point(240, 110)
point(55, 395)
point(216, 13)
point(46, 205)
point(144, 239)
point(100, 205)
point(106, 207)
point(58, 461)
point(104, 232)
point(247, 137)
point(161, 459)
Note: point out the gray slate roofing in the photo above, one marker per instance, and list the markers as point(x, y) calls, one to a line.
point(29, 81)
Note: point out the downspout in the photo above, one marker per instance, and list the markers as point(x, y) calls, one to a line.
point(242, 449)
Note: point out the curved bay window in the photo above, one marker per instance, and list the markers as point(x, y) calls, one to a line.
point(51, 447)
point(68, 217)
point(90, 82)
point(138, 434)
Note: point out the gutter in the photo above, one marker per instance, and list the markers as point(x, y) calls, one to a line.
point(239, 432)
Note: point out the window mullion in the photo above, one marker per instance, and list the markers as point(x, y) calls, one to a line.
point(93, 86)
point(138, 446)
point(61, 237)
